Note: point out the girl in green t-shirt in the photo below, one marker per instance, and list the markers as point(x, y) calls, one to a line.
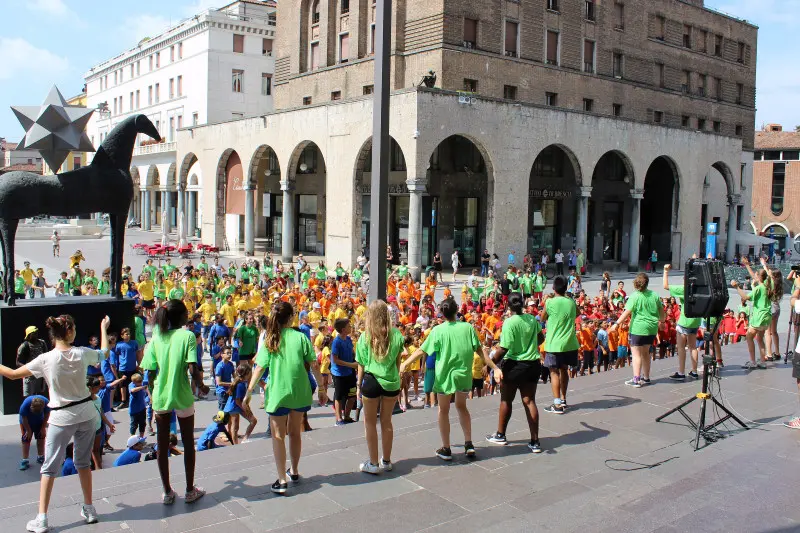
point(761, 315)
point(378, 357)
point(645, 311)
point(288, 355)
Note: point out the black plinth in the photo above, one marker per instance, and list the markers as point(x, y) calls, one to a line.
point(87, 311)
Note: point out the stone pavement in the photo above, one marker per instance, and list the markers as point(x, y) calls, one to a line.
point(587, 479)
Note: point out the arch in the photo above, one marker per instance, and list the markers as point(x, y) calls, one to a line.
point(553, 183)
point(153, 178)
point(777, 224)
point(783, 236)
point(193, 181)
point(264, 163)
point(171, 174)
point(294, 160)
point(135, 177)
point(309, 190)
point(397, 160)
point(659, 208)
point(753, 227)
point(727, 175)
point(188, 161)
point(221, 195)
point(608, 167)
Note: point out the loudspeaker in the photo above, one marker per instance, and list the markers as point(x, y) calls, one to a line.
point(705, 288)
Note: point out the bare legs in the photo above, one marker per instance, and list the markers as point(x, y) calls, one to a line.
point(753, 336)
point(283, 426)
point(641, 361)
point(463, 417)
point(683, 340)
point(371, 405)
point(559, 379)
point(187, 437)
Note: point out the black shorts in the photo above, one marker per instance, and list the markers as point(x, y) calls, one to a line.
point(519, 373)
point(127, 376)
point(588, 358)
point(371, 388)
point(148, 304)
point(642, 340)
point(477, 383)
point(796, 366)
point(561, 359)
point(138, 422)
point(344, 387)
point(248, 357)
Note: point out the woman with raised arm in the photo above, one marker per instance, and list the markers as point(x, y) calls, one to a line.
point(761, 315)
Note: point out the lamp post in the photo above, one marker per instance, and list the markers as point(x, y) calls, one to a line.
point(379, 199)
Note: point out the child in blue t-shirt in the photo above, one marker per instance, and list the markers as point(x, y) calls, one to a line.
point(224, 373)
point(207, 440)
point(33, 415)
point(94, 344)
point(101, 397)
point(68, 468)
point(137, 408)
point(236, 406)
point(216, 356)
point(133, 453)
point(148, 404)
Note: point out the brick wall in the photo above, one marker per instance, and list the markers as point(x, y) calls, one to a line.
point(762, 196)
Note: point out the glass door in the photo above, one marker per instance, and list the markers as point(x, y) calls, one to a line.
point(400, 230)
point(612, 231)
point(465, 230)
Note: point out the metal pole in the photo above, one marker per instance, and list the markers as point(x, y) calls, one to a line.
point(379, 195)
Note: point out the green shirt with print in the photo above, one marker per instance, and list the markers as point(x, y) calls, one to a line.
point(560, 336)
point(645, 309)
point(520, 337)
point(176, 293)
point(386, 370)
point(761, 315)
point(678, 292)
point(19, 285)
point(288, 385)
point(170, 354)
point(248, 339)
point(357, 274)
point(526, 284)
point(539, 283)
point(454, 343)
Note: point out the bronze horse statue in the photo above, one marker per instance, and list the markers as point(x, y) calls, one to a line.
point(105, 186)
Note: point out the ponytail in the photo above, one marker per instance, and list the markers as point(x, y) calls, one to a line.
point(281, 313)
point(60, 327)
point(171, 315)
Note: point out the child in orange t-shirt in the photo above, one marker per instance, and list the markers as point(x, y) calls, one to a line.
point(622, 348)
point(588, 342)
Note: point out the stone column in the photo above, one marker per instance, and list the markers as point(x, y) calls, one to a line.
point(146, 210)
point(191, 220)
point(287, 237)
point(142, 212)
point(633, 258)
point(582, 227)
point(415, 190)
point(249, 221)
point(730, 244)
point(181, 207)
point(165, 205)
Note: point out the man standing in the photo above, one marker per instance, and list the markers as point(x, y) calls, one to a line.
point(485, 257)
point(31, 348)
point(559, 259)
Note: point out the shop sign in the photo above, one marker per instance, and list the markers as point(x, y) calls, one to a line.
point(549, 194)
point(400, 188)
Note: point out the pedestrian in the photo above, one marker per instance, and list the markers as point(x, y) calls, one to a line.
point(73, 416)
point(485, 257)
point(559, 259)
point(378, 356)
point(455, 262)
point(56, 240)
point(686, 330)
point(31, 348)
point(653, 262)
point(33, 416)
point(170, 357)
point(760, 316)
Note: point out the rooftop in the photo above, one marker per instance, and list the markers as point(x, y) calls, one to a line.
point(774, 138)
point(23, 167)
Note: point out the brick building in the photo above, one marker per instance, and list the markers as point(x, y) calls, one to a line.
point(614, 116)
point(776, 186)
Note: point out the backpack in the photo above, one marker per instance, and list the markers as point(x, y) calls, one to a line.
point(515, 283)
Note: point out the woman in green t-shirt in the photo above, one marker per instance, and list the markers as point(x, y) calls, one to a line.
point(288, 355)
point(560, 342)
point(760, 316)
point(170, 357)
point(378, 357)
point(645, 311)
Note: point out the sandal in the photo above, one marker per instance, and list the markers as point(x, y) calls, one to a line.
point(195, 494)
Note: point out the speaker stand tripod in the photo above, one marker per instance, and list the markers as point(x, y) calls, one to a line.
point(709, 367)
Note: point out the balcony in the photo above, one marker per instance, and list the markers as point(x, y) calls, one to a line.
point(155, 148)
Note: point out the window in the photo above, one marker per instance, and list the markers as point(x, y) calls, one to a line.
point(740, 208)
point(470, 86)
point(718, 88)
point(344, 47)
point(589, 10)
point(588, 56)
point(172, 88)
point(132, 70)
point(739, 93)
point(180, 85)
point(266, 47)
point(121, 76)
point(237, 80)
point(778, 180)
point(150, 62)
point(308, 157)
point(740, 55)
point(685, 121)
point(195, 119)
point(552, 5)
point(616, 110)
point(158, 93)
point(150, 95)
point(510, 92)
point(371, 39)
point(397, 161)
point(717, 125)
point(172, 54)
point(266, 84)
point(772, 155)
point(701, 84)
point(551, 99)
point(315, 13)
point(336, 95)
point(588, 105)
point(687, 36)
point(180, 121)
point(470, 33)
point(718, 45)
point(180, 50)
point(237, 115)
point(238, 43)
point(552, 47)
point(619, 63)
point(314, 56)
point(791, 155)
point(661, 27)
point(660, 79)
point(131, 108)
point(158, 59)
point(138, 68)
point(701, 124)
point(738, 130)
point(619, 16)
point(686, 85)
point(138, 101)
point(658, 117)
point(368, 89)
point(306, 100)
point(511, 38)
point(345, 6)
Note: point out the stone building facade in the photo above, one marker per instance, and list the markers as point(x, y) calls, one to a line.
point(552, 124)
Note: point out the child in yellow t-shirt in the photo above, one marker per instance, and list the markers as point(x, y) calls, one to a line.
point(478, 375)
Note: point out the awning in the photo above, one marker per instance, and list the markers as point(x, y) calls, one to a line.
point(749, 239)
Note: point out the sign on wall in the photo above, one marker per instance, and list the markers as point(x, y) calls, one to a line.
point(265, 210)
point(549, 194)
point(711, 240)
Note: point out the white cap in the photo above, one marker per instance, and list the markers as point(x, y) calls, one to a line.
point(134, 440)
point(316, 305)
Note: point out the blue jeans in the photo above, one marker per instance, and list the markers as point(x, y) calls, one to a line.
point(484, 270)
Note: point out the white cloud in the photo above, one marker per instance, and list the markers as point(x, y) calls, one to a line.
point(55, 9)
point(21, 57)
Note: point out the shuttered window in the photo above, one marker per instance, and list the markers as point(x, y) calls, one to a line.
point(511, 38)
point(552, 48)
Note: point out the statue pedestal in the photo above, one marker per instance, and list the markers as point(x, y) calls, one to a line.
point(87, 311)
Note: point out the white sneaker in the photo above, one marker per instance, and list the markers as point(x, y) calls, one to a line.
point(749, 365)
point(761, 365)
point(386, 466)
point(89, 514)
point(38, 525)
point(369, 468)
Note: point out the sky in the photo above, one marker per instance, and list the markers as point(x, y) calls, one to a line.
point(46, 42)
